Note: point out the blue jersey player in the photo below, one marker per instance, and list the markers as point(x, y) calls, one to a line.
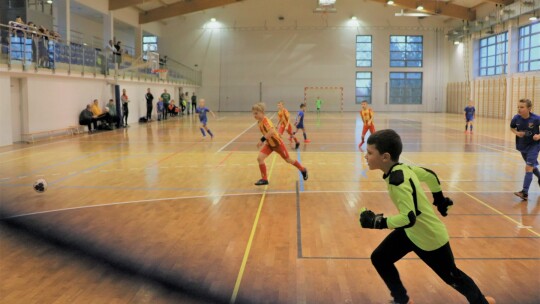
point(526, 126)
point(469, 116)
point(299, 123)
point(202, 110)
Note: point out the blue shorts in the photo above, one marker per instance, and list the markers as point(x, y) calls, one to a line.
point(469, 119)
point(300, 126)
point(203, 122)
point(531, 155)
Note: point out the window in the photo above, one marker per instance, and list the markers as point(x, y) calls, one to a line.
point(529, 48)
point(149, 45)
point(493, 53)
point(405, 88)
point(363, 86)
point(406, 51)
point(363, 51)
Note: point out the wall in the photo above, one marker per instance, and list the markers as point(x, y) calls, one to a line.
point(5, 107)
point(55, 102)
point(306, 49)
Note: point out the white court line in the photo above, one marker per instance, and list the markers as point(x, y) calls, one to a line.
point(251, 126)
point(34, 147)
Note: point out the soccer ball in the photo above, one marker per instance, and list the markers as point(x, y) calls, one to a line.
point(40, 185)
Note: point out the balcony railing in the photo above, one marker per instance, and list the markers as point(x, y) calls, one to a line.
point(26, 49)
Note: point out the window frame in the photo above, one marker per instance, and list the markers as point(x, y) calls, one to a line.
point(527, 39)
point(407, 52)
point(404, 88)
point(490, 54)
point(359, 98)
point(370, 52)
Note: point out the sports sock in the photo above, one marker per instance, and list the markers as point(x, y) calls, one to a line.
point(527, 181)
point(262, 167)
point(298, 165)
point(305, 136)
point(202, 131)
point(210, 132)
point(471, 128)
point(536, 172)
point(465, 127)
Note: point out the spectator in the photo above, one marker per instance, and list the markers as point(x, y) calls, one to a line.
point(125, 108)
point(113, 115)
point(98, 113)
point(119, 51)
point(149, 104)
point(86, 118)
point(193, 103)
point(110, 52)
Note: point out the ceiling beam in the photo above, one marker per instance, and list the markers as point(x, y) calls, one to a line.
point(438, 8)
point(502, 2)
point(181, 8)
point(118, 4)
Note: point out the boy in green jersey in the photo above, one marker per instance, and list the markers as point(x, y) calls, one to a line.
point(416, 228)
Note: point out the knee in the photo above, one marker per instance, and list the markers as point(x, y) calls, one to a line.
point(377, 258)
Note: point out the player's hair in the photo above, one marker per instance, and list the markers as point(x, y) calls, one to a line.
point(280, 102)
point(387, 141)
point(364, 101)
point(526, 101)
point(302, 105)
point(258, 107)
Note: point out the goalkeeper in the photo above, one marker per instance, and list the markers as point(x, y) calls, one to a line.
point(416, 228)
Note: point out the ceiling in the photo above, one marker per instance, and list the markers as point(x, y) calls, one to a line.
point(157, 10)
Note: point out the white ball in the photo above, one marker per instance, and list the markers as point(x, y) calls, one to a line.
point(40, 185)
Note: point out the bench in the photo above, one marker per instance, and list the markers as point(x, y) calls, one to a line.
point(32, 137)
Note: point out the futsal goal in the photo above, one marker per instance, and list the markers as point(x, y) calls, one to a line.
point(332, 98)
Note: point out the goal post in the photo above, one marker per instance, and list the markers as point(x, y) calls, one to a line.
point(332, 97)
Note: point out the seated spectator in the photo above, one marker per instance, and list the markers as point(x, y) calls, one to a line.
point(86, 118)
point(113, 116)
point(99, 115)
point(173, 109)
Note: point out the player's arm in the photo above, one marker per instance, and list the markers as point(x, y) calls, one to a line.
point(431, 179)
point(401, 193)
point(213, 115)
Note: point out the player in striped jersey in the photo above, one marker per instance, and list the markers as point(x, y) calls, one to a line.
point(270, 142)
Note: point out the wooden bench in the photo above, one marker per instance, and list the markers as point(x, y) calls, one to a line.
point(32, 137)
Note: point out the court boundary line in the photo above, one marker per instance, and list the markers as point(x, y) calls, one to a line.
point(247, 129)
point(250, 240)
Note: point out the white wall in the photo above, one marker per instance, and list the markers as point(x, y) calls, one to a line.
point(305, 49)
point(5, 107)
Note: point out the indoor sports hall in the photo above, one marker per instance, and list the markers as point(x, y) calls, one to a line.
point(142, 205)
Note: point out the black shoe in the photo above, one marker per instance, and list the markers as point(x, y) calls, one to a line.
point(522, 195)
point(297, 145)
point(304, 174)
point(261, 182)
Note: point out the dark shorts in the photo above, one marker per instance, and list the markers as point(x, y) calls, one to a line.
point(300, 126)
point(530, 156)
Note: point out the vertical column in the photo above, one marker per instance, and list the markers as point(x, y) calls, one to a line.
point(138, 41)
point(108, 28)
point(62, 18)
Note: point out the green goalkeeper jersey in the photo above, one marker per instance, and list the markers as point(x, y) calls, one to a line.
point(416, 214)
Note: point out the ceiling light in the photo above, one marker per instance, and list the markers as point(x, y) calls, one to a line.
point(49, 1)
point(456, 42)
point(533, 18)
point(420, 7)
point(327, 2)
point(213, 20)
point(390, 2)
point(353, 18)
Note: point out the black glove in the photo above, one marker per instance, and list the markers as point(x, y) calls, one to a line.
point(370, 220)
point(442, 203)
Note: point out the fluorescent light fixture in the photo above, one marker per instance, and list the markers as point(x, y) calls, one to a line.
point(353, 18)
point(327, 2)
point(49, 1)
point(456, 42)
point(213, 20)
point(533, 17)
point(390, 2)
point(420, 7)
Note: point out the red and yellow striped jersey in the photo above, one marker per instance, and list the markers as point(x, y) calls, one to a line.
point(265, 125)
point(284, 116)
point(366, 115)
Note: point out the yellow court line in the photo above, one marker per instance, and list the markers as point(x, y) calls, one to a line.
point(497, 211)
point(250, 241)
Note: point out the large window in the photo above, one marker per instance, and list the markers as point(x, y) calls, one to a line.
point(493, 53)
point(363, 86)
point(149, 45)
point(363, 51)
point(405, 88)
point(529, 48)
point(406, 51)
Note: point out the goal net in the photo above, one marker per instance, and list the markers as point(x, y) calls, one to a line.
point(332, 98)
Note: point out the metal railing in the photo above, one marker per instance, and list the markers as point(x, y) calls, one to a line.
point(27, 49)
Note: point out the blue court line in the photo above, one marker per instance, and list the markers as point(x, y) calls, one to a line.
point(298, 225)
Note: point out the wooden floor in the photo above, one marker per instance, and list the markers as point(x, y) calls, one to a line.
point(155, 214)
